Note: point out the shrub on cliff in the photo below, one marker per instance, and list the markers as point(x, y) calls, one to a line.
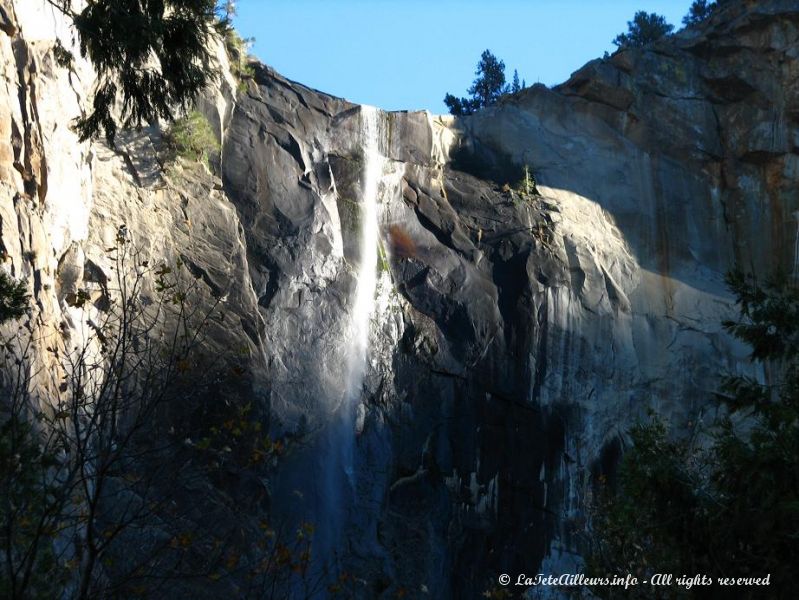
point(238, 54)
point(13, 298)
point(191, 138)
point(237, 48)
point(644, 29)
point(730, 508)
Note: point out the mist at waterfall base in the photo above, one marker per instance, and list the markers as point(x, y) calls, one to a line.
point(317, 484)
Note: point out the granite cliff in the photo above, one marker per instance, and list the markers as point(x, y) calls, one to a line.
point(514, 334)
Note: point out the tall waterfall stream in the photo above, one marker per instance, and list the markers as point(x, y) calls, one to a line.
point(321, 485)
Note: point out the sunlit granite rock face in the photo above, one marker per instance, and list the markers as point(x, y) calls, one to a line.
point(515, 337)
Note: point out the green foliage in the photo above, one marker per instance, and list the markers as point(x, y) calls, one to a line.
point(653, 521)
point(524, 189)
point(150, 57)
point(769, 315)
point(191, 138)
point(488, 87)
point(644, 29)
point(730, 509)
point(528, 184)
point(13, 298)
point(237, 48)
point(699, 11)
point(238, 54)
point(382, 259)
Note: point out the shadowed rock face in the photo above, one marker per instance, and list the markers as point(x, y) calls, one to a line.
point(515, 337)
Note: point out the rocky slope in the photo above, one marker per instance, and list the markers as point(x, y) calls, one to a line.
point(514, 337)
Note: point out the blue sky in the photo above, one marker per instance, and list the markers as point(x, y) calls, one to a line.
point(408, 54)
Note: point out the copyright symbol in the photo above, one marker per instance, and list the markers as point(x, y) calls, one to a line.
point(504, 579)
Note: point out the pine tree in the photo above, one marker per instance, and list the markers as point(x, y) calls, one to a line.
point(150, 58)
point(459, 106)
point(644, 29)
point(699, 11)
point(488, 87)
point(515, 86)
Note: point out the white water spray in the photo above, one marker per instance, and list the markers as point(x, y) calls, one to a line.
point(374, 167)
point(357, 354)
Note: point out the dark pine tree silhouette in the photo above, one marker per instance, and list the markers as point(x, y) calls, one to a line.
point(490, 84)
point(699, 11)
point(515, 86)
point(644, 29)
point(488, 87)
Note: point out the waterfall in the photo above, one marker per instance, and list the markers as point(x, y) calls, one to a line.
point(324, 473)
point(339, 477)
point(373, 172)
point(357, 354)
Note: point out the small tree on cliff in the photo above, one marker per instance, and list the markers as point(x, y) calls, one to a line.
point(515, 86)
point(150, 57)
point(644, 29)
point(732, 507)
point(488, 87)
